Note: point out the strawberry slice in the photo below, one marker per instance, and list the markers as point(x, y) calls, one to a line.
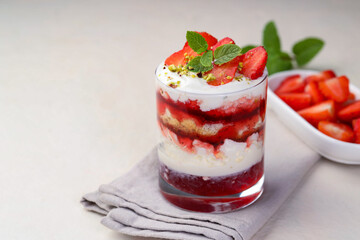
point(179, 58)
point(223, 41)
point(312, 89)
point(324, 111)
point(338, 131)
point(356, 127)
point(336, 88)
point(292, 84)
point(350, 112)
point(322, 76)
point(351, 96)
point(296, 101)
point(254, 62)
point(224, 73)
point(209, 39)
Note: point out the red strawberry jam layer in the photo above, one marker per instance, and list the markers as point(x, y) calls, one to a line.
point(213, 186)
point(237, 121)
point(211, 205)
point(232, 111)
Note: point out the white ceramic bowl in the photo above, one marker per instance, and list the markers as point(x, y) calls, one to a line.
point(338, 151)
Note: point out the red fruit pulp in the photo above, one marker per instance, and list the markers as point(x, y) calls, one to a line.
point(213, 186)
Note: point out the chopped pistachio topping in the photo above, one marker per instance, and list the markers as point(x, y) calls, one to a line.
point(181, 70)
point(238, 78)
point(172, 68)
point(209, 77)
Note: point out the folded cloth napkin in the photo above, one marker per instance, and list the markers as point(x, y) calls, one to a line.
point(133, 205)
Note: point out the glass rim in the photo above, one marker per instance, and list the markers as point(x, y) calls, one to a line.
point(265, 76)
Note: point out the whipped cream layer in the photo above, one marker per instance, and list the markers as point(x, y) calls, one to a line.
point(209, 97)
point(235, 157)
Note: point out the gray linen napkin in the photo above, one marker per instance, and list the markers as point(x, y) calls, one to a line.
point(133, 205)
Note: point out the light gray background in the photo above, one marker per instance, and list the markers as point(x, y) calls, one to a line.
point(78, 108)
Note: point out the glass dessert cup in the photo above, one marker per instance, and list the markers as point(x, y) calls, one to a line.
point(211, 150)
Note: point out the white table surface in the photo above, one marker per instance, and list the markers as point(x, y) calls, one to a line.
point(78, 107)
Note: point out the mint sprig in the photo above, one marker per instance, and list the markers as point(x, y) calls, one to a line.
point(278, 60)
point(306, 49)
point(208, 58)
point(226, 53)
point(195, 65)
point(196, 42)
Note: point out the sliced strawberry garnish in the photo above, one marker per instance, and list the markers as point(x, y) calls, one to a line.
point(254, 62)
point(324, 111)
point(209, 39)
point(223, 41)
point(312, 89)
point(351, 96)
point(292, 84)
point(176, 58)
point(336, 88)
point(356, 128)
point(338, 131)
point(350, 112)
point(296, 101)
point(224, 73)
point(181, 57)
point(322, 76)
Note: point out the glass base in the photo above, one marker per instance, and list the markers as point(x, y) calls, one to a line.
point(209, 204)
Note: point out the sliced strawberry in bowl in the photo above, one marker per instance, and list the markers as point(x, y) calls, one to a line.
point(223, 73)
point(254, 62)
point(296, 101)
point(338, 131)
point(350, 112)
point(292, 84)
point(336, 88)
point(324, 111)
point(313, 89)
point(338, 151)
point(356, 128)
point(322, 76)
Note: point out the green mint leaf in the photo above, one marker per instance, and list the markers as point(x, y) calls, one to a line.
point(306, 49)
point(271, 40)
point(226, 53)
point(206, 58)
point(196, 41)
point(285, 56)
point(278, 62)
point(195, 66)
point(247, 48)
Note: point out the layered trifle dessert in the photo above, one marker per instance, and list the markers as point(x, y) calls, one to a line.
point(211, 104)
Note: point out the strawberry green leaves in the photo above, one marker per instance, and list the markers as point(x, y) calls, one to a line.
point(278, 60)
point(306, 49)
point(205, 62)
point(225, 53)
